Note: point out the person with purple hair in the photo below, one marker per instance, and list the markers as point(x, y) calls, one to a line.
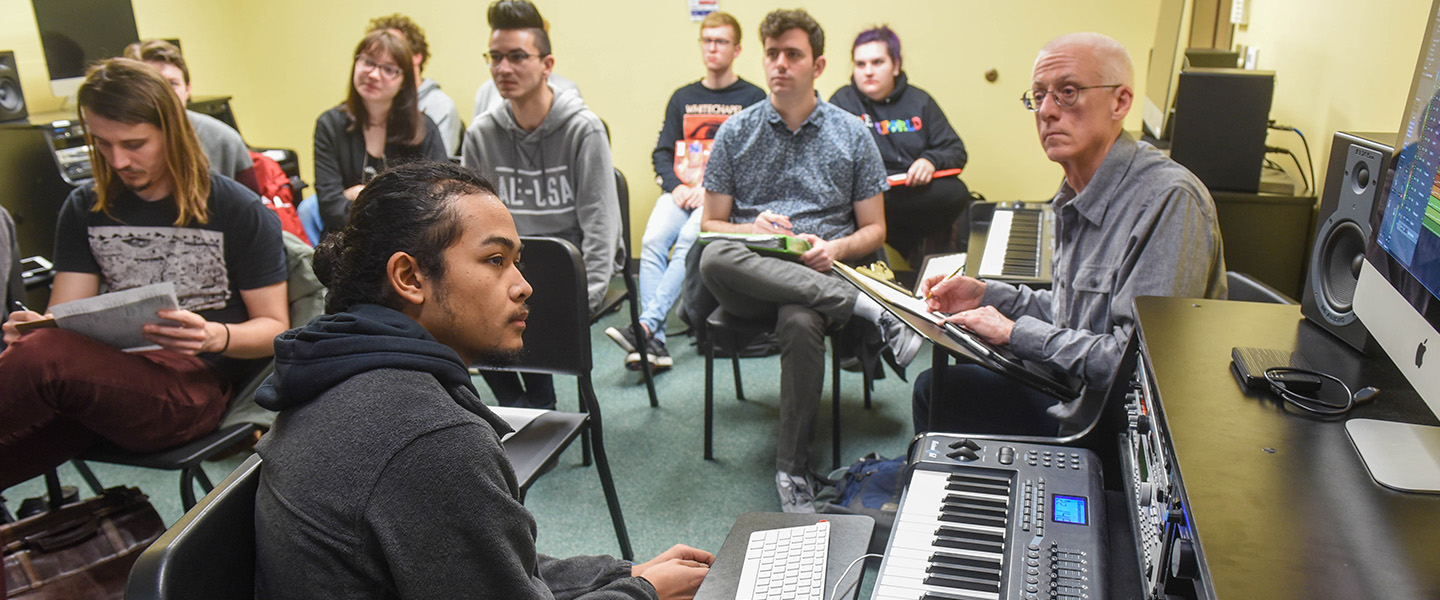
point(915, 139)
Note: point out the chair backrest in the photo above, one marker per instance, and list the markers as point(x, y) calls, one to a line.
point(622, 191)
point(1249, 289)
point(557, 335)
point(210, 552)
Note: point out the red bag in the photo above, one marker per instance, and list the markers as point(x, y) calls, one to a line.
point(277, 192)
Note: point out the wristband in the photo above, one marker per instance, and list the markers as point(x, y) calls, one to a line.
point(227, 338)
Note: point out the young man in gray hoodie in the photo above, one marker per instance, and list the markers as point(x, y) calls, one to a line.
point(550, 159)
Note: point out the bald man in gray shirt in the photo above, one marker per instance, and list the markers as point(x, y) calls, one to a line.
point(1129, 222)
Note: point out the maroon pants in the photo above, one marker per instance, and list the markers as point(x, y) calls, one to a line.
point(61, 391)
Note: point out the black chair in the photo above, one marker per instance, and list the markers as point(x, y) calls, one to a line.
point(243, 420)
point(210, 552)
point(613, 298)
point(729, 333)
point(1249, 289)
point(557, 342)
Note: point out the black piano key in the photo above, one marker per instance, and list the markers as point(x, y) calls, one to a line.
point(980, 488)
point(957, 515)
point(933, 595)
point(987, 573)
point(962, 583)
point(964, 544)
point(941, 557)
point(998, 502)
point(948, 531)
point(972, 476)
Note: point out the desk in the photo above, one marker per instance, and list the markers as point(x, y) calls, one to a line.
point(1282, 506)
point(849, 539)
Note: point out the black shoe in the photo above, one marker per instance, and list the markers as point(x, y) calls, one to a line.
point(622, 337)
point(30, 507)
point(657, 354)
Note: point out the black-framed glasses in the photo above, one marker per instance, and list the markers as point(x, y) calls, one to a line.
point(718, 42)
point(1065, 96)
point(367, 65)
point(514, 56)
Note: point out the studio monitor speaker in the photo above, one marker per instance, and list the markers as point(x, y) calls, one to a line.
point(12, 100)
point(1353, 183)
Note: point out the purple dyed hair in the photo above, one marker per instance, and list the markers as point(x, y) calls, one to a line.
point(882, 34)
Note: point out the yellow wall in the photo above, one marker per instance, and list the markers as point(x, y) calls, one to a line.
point(285, 62)
point(1339, 66)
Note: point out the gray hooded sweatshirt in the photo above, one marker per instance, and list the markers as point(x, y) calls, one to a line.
point(557, 180)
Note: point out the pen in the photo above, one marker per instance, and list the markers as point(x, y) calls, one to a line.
point(931, 294)
point(16, 305)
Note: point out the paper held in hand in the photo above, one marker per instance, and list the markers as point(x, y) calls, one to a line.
point(116, 318)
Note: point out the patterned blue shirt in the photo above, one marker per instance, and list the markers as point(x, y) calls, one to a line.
point(814, 175)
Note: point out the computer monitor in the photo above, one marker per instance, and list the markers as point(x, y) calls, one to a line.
point(1163, 68)
point(1397, 296)
point(77, 33)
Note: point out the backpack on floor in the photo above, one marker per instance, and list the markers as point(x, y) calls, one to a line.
point(872, 487)
point(278, 192)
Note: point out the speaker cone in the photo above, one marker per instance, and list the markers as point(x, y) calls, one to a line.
point(1343, 250)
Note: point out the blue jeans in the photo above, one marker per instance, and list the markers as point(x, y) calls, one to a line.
point(661, 269)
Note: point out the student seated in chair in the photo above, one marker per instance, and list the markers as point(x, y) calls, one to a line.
point(1132, 222)
point(797, 165)
point(693, 115)
point(228, 154)
point(432, 101)
point(551, 160)
point(155, 213)
point(384, 475)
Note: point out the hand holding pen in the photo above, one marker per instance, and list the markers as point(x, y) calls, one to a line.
point(952, 293)
point(769, 222)
point(18, 314)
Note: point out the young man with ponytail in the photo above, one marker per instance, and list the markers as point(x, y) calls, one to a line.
point(155, 213)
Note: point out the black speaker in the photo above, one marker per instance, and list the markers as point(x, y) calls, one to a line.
point(12, 100)
point(1359, 163)
point(1219, 126)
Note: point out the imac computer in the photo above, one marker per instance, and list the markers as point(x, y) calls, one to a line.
point(1163, 68)
point(1397, 296)
point(78, 33)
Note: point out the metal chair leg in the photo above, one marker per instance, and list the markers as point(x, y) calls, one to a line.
point(710, 397)
point(584, 433)
point(735, 365)
point(602, 465)
point(835, 407)
point(88, 475)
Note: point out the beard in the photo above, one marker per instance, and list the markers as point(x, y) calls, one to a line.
point(499, 358)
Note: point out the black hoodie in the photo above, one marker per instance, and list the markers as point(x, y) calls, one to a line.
point(907, 125)
point(384, 477)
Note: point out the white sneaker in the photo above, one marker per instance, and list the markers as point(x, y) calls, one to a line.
point(797, 494)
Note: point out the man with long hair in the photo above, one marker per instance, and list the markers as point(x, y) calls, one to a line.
point(154, 214)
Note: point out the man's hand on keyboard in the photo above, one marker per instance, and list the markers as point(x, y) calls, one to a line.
point(676, 574)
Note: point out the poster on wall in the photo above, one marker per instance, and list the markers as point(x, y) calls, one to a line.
point(700, 8)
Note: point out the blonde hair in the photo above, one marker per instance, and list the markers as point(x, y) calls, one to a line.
point(131, 92)
point(722, 19)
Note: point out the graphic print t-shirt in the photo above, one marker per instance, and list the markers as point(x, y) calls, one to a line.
point(138, 244)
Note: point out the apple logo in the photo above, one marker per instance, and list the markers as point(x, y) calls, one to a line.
point(1420, 353)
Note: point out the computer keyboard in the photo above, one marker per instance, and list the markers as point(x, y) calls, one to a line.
point(786, 563)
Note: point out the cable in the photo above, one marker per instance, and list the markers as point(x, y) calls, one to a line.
point(1300, 167)
point(1308, 157)
point(836, 588)
point(1301, 388)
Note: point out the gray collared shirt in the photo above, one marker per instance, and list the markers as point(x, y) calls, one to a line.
point(1144, 226)
point(813, 175)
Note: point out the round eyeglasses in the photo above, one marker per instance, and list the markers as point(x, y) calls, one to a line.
point(1065, 96)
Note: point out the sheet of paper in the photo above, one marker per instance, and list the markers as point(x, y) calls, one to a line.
point(117, 318)
point(517, 417)
point(940, 264)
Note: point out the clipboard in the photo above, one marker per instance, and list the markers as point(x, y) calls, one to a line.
point(768, 244)
point(956, 340)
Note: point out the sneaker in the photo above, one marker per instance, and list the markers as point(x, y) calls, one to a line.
point(622, 337)
point(797, 494)
point(901, 342)
point(654, 351)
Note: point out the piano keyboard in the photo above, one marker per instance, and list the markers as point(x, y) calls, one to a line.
point(1017, 245)
point(1016, 521)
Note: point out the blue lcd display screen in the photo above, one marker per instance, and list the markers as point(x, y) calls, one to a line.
point(1068, 509)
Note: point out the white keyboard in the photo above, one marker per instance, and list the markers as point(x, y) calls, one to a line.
point(786, 563)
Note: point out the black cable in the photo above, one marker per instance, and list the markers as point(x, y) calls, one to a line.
point(1298, 166)
point(1308, 157)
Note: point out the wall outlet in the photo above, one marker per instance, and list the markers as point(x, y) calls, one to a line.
point(1252, 57)
point(1240, 12)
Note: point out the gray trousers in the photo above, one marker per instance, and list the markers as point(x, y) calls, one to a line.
point(805, 304)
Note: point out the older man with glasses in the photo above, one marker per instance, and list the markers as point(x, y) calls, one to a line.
point(1129, 222)
point(550, 158)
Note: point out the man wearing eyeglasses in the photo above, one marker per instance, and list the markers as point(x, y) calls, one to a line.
point(692, 117)
point(1129, 222)
point(550, 158)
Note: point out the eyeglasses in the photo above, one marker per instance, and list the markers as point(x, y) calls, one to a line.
point(367, 65)
point(1065, 97)
point(721, 42)
point(514, 56)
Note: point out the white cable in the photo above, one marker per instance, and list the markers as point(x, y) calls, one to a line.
point(836, 589)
